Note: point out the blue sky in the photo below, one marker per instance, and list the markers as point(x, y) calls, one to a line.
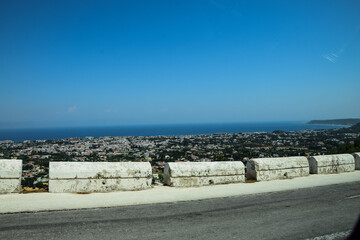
point(83, 63)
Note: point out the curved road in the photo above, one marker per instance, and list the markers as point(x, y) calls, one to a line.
point(297, 214)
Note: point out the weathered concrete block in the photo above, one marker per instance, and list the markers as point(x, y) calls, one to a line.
point(357, 160)
point(191, 174)
point(99, 185)
point(10, 175)
point(99, 176)
point(266, 169)
point(337, 163)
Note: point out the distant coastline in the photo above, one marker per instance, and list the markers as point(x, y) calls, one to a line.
point(19, 135)
point(337, 122)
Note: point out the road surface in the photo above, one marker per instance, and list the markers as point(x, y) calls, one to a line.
point(296, 214)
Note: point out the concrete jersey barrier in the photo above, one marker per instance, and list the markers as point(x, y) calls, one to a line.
point(337, 163)
point(357, 160)
point(191, 174)
point(99, 176)
point(10, 175)
point(266, 169)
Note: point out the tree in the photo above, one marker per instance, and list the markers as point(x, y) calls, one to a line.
point(221, 158)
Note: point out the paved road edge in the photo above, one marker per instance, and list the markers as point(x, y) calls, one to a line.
point(35, 202)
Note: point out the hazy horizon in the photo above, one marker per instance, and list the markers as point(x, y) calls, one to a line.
point(44, 133)
point(116, 63)
point(14, 126)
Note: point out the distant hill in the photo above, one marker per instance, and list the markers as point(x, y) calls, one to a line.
point(355, 128)
point(346, 122)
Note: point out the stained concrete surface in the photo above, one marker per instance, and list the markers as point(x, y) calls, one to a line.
point(191, 174)
point(75, 177)
point(267, 169)
point(10, 175)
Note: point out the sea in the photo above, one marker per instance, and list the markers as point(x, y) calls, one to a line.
point(19, 135)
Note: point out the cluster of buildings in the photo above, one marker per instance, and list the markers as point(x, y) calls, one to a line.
point(158, 150)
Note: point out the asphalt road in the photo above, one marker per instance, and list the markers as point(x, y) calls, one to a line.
point(297, 214)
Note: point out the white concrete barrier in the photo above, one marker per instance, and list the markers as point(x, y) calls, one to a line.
point(99, 176)
point(357, 160)
point(191, 174)
point(10, 175)
point(266, 169)
point(337, 163)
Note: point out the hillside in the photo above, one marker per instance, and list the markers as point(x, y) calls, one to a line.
point(355, 128)
point(346, 122)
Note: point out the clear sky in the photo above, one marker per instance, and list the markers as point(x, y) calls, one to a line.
point(83, 63)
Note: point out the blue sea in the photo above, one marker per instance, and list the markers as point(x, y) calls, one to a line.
point(154, 130)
